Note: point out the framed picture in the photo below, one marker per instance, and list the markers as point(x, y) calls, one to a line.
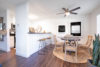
point(61, 28)
point(75, 28)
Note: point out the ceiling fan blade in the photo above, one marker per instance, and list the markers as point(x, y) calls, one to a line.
point(59, 13)
point(73, 13)
point(65, 9)
point(75, 9)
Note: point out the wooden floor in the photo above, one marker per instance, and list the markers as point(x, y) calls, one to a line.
point(48, 60)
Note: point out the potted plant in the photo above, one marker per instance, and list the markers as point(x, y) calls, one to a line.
point(95, 62)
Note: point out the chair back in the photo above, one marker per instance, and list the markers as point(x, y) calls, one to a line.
point(55, 39)
point(89, 40)
point(68, 35)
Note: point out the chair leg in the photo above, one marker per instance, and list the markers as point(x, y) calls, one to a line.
point(89, 51)
point(51, 44)
point(76, 50)
point(45, 47)
point(41, 50)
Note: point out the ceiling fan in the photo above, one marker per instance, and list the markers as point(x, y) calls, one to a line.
point(68, 12)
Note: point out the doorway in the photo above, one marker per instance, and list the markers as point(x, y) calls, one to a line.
point(12, 36)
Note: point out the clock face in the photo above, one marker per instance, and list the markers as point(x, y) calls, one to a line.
point(61, 28)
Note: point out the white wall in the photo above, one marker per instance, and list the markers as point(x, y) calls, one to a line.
point(51, 25)
point(22, 28)
point(4, 45)
point(93, 20)
point(98, 24)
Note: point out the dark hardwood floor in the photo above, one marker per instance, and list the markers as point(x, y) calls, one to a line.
point(47, 60)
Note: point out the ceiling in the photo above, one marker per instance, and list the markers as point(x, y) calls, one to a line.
point(51, 7)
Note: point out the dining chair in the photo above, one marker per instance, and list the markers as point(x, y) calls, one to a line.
point(58, 44)
point(88, 44)
point(68, 35)
point(70, 42)
point(71, 48)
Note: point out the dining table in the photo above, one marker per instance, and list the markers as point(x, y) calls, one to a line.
point(67, 43)
point(69, 39)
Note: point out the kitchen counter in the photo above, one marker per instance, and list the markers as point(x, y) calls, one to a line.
point(34, 41)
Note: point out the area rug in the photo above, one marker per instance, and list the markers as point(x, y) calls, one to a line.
point(82, 56)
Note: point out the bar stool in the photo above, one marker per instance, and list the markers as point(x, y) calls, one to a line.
point(41, 46)
point(49, 38)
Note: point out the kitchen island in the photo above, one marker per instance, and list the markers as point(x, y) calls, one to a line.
point(34, 41)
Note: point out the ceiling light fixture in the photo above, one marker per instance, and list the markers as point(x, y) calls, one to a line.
point(67, 13)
